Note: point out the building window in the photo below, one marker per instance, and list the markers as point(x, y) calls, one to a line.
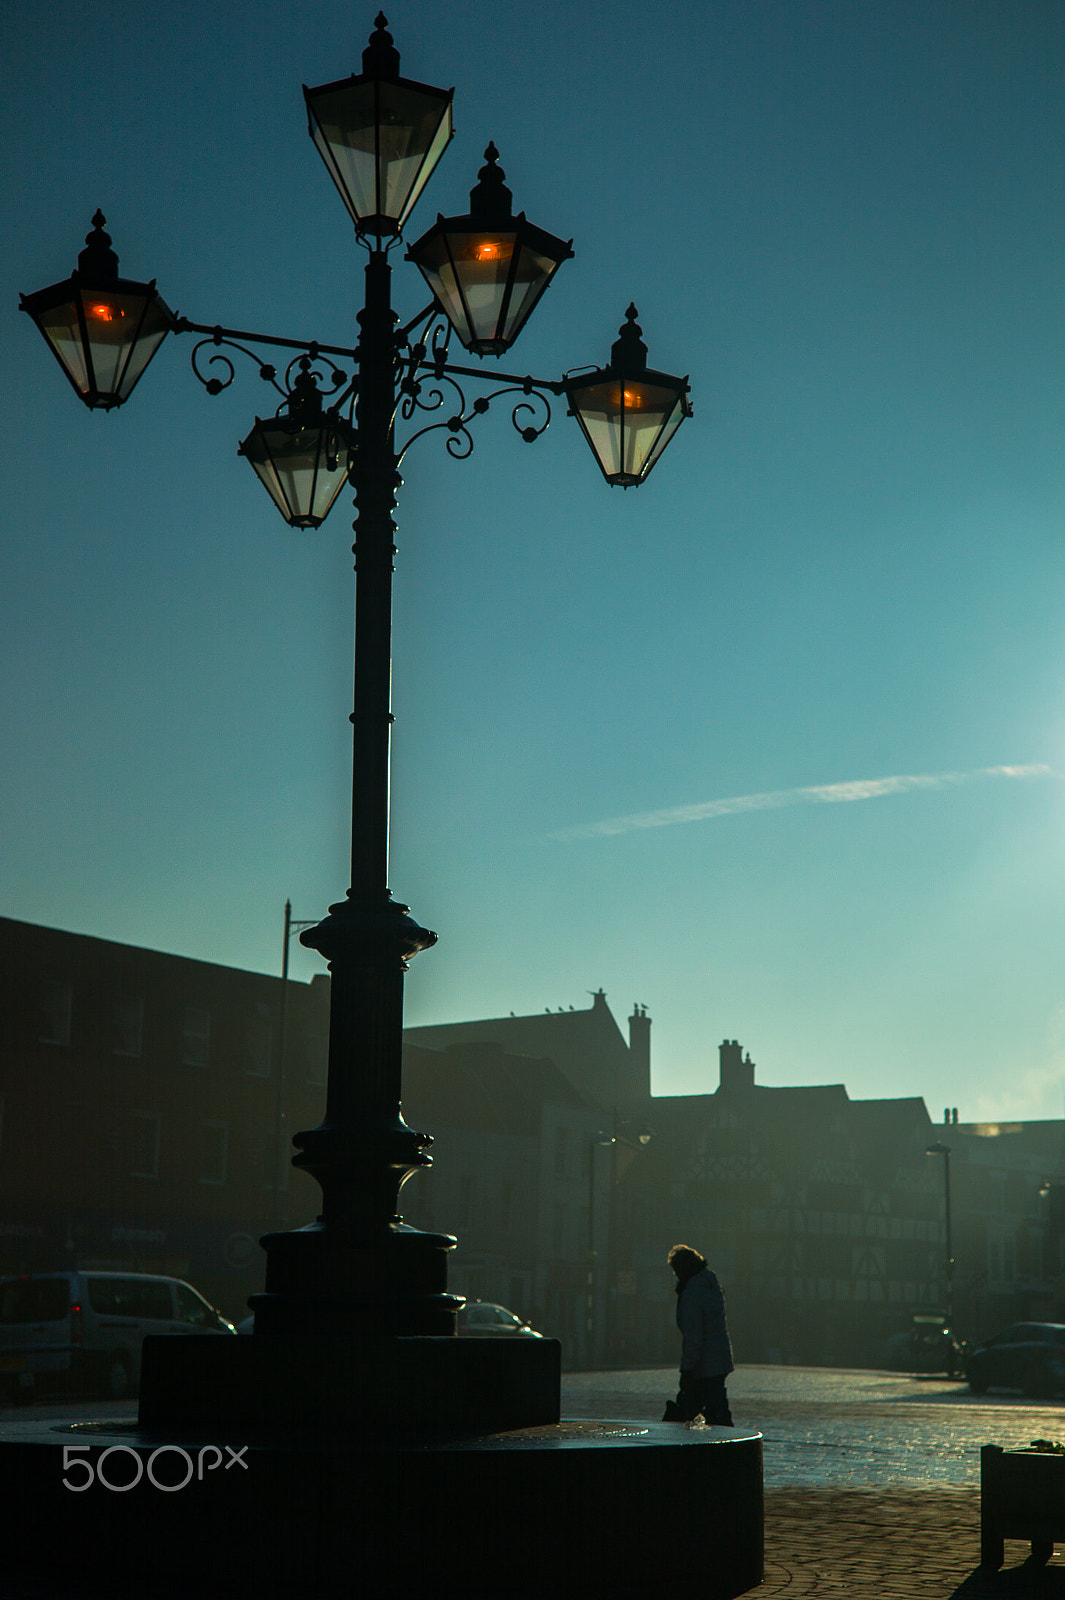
point(465, 1206)
point(260, 1040)
point(127, 1025)
point(56, 1004)
point(506, 1205)
point(215, 1146)
point(196, 1036)
point(145, 1145)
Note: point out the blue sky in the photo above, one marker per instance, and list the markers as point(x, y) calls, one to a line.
point(822, 649)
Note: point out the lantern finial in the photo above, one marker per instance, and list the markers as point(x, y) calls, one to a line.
point(305, 401)
point(628, 352)
point(98, 261)
point(380, 59)
point(490, 195)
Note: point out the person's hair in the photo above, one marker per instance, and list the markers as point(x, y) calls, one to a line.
point(685, 1261)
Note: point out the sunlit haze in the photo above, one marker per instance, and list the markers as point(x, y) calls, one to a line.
point(773, 743)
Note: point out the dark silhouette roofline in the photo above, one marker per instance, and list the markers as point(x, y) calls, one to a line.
point(38, 929)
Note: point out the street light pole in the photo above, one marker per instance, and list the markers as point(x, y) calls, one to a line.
point(363, 1151)
point(359, 1269)
point(597, 1141)
point(940, 1149)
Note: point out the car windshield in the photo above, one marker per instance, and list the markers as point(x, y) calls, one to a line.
point(34, 1300)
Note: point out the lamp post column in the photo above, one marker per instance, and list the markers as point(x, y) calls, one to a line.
point(949, 1240)
point(941, 1149)
point(358, 1268)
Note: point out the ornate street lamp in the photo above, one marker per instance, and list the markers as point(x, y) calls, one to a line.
point(489, 268)
point(302, 454)
point(102, 329)
point(358, 1270)
point(380, 136)
point(627, 413)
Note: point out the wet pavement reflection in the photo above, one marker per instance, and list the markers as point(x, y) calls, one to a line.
point(831, 1428)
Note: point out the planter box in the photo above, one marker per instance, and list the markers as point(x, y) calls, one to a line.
point(1022, 1496)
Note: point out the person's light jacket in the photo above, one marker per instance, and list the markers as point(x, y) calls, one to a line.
point(706, 1350)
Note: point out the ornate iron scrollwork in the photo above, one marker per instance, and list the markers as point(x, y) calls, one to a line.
point(425, 380)
point(330, 378)
point(530, 416)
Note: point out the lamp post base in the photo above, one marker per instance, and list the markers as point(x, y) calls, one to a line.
point(322, 1382)
point(319, 1281)
point(583, 1508)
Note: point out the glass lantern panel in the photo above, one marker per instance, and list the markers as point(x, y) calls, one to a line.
point(598, 411)
point(415, 131)
point(669, 428)
point(62, 328)
point(628, 422)
point(332, 476)
point(380, 141)
point(468, 274)
point(533, 274)
point(646, 408)
point(483, 268)
point(439, 273)
point(301, 478)
point(342, 126)
point(124, 332)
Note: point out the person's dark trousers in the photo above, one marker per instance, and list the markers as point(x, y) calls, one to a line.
point(706, 1395)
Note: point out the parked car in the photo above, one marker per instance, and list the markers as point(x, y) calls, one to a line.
point(927, 1345)
point(85, 1329)
point(479, 1319)
point(1029, 1356)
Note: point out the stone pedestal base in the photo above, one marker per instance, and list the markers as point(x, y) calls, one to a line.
point(629, 1510)
point(330, 1381)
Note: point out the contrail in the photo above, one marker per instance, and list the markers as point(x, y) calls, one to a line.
point(775, 799)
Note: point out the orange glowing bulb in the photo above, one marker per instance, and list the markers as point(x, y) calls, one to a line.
point(487, 252)
point(105, 313)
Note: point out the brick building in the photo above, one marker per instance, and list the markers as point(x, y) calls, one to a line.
point(145, 1121)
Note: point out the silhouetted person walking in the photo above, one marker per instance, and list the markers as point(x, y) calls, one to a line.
point(706, 1352)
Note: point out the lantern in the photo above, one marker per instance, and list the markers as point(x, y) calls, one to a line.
point(302, 455)
point(380, 136)
point(488, 269)
point(628, 413)
point(102, 329)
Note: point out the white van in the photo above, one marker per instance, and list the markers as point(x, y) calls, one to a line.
point(86, 1328)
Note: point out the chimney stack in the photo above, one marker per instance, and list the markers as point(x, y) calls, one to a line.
point(737, 1070)
point(640, 1049)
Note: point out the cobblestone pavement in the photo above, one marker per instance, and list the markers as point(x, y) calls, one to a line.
point(871, 1483)
point(882, 1544)
point(872, 1479)
point(835, 1429)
